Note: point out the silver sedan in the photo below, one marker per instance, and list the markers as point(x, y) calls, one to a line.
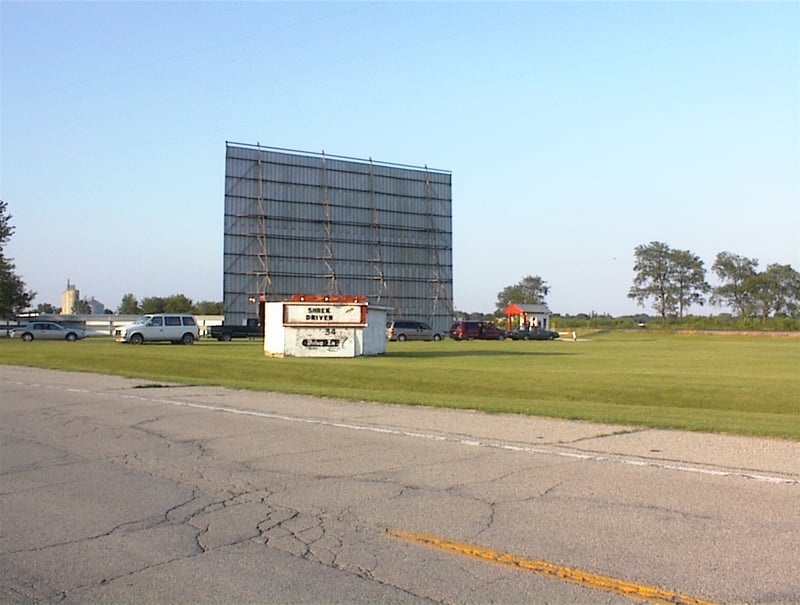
point(47, 330)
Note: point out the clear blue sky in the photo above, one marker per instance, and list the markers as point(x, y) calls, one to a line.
point(574, 132)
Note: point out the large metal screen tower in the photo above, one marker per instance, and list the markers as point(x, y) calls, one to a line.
point(306, 223)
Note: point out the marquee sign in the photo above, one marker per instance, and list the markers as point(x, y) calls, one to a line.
point(324, 326)
point(325, 311)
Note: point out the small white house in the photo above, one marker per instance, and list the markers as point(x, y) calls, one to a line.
point(528, 315)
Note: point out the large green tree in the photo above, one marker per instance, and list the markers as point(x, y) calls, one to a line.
point(652, 277)
point(178, 303)
point(14, 298)
point(775, 291)
point(688, 279)
point(81, 307)
point(671, 279)
point(530, 291)
point(153, 304)
point(129, 305)
point(736, 274)
point(207, 307)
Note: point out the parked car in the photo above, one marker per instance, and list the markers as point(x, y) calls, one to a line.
point(225, 333)
point(527, 333)
point(171, 327)
point(47, 330)
point(476, 330)
point(411, 330)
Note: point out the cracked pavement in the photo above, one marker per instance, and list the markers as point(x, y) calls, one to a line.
point(118, 491)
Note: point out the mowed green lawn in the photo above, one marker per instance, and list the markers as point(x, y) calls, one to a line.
point(748, 385)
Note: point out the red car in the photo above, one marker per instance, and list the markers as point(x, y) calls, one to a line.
point(476, 330)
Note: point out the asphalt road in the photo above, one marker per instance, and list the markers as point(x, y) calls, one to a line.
point(120, 491)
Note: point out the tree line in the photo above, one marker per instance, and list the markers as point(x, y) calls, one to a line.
point(177, 303)
point(130, 305)
point(672, 280)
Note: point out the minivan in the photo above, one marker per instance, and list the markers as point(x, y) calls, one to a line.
point(472, 330)
point(171, 327)
point(411, 330)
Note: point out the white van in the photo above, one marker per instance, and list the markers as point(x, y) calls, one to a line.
point(172, 327)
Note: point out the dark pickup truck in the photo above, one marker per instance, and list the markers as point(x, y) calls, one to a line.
point(228, 333)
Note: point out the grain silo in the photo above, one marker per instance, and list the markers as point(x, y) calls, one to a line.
point(298, 222)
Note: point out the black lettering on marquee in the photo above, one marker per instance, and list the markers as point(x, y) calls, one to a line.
point(319, 314)
point(320, 342)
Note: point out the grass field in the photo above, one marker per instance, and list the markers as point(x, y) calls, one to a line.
point(733, 384)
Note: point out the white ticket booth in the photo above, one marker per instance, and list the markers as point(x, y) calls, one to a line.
point(324, 326)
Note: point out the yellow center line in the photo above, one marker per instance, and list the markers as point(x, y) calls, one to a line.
point(639, 592)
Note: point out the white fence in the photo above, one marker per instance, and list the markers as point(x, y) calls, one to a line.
point(102, 325)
